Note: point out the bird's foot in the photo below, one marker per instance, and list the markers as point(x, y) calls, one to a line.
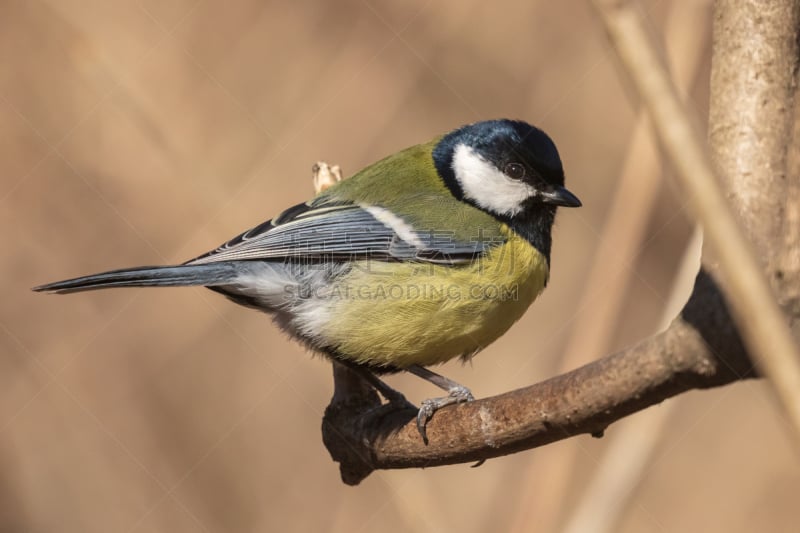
point(456, 394)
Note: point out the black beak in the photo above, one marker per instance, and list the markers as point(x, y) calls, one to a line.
point(558, 196)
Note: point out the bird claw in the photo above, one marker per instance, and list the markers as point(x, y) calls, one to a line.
point(457, 394)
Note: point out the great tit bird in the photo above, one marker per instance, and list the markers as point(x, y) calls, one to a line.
point(429, 254)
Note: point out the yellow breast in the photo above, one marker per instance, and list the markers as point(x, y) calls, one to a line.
point(400, 314)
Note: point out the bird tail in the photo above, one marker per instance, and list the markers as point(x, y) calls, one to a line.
point(153, 276)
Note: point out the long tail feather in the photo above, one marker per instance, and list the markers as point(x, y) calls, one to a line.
point(158, 276)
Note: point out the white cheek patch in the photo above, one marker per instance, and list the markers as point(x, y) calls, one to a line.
point(485, 185)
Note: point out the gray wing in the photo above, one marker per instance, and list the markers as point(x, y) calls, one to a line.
point(344, 232)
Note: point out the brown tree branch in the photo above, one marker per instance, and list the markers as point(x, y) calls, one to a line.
point(757, 314)
point(701, 349)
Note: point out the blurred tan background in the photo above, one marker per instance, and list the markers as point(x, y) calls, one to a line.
point(146, 132)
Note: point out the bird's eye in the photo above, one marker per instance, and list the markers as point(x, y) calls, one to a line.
point(515, 171)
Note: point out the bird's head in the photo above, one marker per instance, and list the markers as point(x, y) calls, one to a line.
point(507, 168)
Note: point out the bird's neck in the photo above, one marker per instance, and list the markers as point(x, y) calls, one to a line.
point(535, 226)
